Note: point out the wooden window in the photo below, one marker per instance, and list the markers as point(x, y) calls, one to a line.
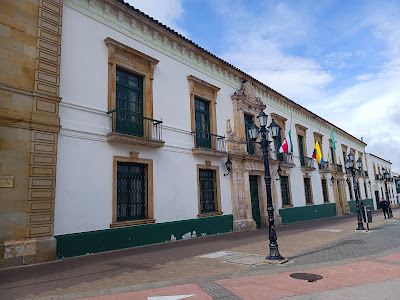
point(307, 190)
point(285, 189)
point(121, 57)
point(281, 121)
point(318, 138)
point(132, 202)
point(131, 191)
point(301, 138)
point(202, 118)
point(129, 103)
point(209, 195)
point(301, 150)
point(350, 191)
point(208, 191)
point(248, 120)
point(325, 190)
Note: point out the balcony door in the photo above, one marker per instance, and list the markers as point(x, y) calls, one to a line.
point(248, 120)
point(202, 119)
point(129, 103)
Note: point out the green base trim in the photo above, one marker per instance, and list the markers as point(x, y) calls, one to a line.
point(69, 245)
point(352, 204)
point(306, 213)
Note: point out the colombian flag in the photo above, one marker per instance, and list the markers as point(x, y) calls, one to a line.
point(317, 154)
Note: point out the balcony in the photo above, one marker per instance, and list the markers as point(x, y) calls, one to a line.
point(286, 159)
point(307, 163)
point(206, 143)
point(336, 168)
point(325, 168)
point(130, 128)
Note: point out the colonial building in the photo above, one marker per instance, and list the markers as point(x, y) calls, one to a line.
point(378, 166)
point(148, 121)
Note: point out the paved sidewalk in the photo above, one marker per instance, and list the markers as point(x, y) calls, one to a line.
point(205, 267)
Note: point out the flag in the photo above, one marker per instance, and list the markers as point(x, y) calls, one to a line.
point(317, 154)
point(287, 145)
point(333, 140)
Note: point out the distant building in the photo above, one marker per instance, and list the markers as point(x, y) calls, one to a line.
point(377, 167)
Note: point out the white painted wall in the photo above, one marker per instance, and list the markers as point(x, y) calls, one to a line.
point(84, 170)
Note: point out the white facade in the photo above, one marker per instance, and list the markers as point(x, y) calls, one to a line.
point(376, 166)
point(85, 178)
point(84, 171)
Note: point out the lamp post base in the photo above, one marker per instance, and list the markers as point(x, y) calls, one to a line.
point(275, 257)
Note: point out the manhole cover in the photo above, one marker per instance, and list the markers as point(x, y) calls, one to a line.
point(306, 276)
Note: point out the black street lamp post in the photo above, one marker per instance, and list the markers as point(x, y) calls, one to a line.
point(350, 166)
point(386, 176)
point(253, 132)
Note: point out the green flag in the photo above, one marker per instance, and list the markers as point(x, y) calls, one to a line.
point(333, 140)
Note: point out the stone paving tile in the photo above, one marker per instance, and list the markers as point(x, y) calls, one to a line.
point(303, 243)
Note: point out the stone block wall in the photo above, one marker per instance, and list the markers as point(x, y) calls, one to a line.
point(30, 48)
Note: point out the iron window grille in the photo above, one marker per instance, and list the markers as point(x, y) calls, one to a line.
point(307, 190)
point(208, 191)
point(131, 191)
point(285, 190)
point(324, 190)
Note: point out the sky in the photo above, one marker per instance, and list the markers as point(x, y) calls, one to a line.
point(339, 59)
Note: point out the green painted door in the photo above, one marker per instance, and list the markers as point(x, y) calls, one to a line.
point(301, 150)
point(202, 119)
point(248, 120)
point(255, 203)
point(129, 103)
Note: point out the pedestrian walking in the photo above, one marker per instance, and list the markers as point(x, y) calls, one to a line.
point(384, 205)
point(363, 211)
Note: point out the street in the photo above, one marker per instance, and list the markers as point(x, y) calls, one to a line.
point(229, 266)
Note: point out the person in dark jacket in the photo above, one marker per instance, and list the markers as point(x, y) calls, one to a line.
point(363, 211)
point(384, 205)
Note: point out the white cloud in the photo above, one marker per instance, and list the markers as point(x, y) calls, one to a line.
point(368, 106)
point(167, 12)
point(256, 43)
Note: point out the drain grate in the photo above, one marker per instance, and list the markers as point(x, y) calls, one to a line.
point(306, 276)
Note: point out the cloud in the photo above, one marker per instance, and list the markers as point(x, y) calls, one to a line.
point(256, 44)
point(349, 77)
point(168, 12)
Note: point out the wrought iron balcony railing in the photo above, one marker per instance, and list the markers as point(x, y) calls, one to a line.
point(336, 168)
point(325, 166)
point(134, 124)
point(285, 158)
point(206, 140)
point(307, 162)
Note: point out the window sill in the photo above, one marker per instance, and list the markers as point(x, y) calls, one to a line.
point(324, 171)
point(306, 168)
point(309, 204)
point(134, 140)
point(327, 202)
point(287, 206)
point(286, 164)
point(209, 152)
point(132, 223)
point(217, 213)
